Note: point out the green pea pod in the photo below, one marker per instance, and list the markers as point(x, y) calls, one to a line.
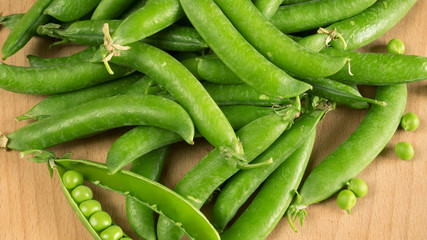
point(355, 153)
point(89, 32)
point(70, 10)
point(143, 139)
point(234, 94)
point(275, 45)
point(84, 55)
point(134, 7)
point(100, 115)
point(228, 44)
point(288, 2)
point(10, 21)
point(25, 29)
point(140, 217)
point(186, 89)
point(370, 24)
point(148, 192)
point(110, 9)
point(213, 70)
point(315, 42)
point(213, 170)
point(58, 103)
point(277, 190)
point(340, 93)
point(86, 32)
point(175, 38)
point(154, 16)
point(315, 14)
point(268, 7)
point(241, 185)
point(56, 79)
point(380, 68)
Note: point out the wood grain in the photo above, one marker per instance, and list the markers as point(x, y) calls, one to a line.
point(32, 205)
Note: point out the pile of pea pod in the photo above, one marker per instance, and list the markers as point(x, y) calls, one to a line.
point(247, 85)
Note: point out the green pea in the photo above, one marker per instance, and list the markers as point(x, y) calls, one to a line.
point(358, 187)
point(112, 233)
point(100, 221)
point(346, 200)
point(81, 193)
point(396, 46)
point(72, 179)
point(404, 151)
point(410, 122)
point(89, 207)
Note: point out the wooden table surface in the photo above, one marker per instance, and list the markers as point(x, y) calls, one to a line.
point(32, 205)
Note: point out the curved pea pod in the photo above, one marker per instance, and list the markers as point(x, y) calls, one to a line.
point(70, 10)
point(275, 45)
point(355, 153)
point(10, 21)
point(110, 9)
point(140, 217)
point(172, 76)
point(144, 139)
point(213, 170)
point(241, 185)
point(370, 24)
point(100, 115)
point(235, 94)
point(315, 42)
point(84, 55)
point(58, 103)
point(26, 28)
point(314, 14)
point(154, 16)
point(52, 80)
point(148, 192)
point(380, 68)
point(277, 190)
point(340, 93)
point(238, 54)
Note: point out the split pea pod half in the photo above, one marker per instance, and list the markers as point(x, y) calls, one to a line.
point(355, 153)
point(140, 217)
point(213, 170)
point(79, 196)
point(275, 45)
point(370, 24)
point(241, 185)
point(172, 76)
point(100, 115)
point(25, 28)
point(148, 192)
point(278, 191)
point(142, 140)
point(380, 68)
point(52, 80)
point(315, 14)
point(227, 43)
point(70, 10)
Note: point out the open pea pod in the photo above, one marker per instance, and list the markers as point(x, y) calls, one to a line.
point(148, 192)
